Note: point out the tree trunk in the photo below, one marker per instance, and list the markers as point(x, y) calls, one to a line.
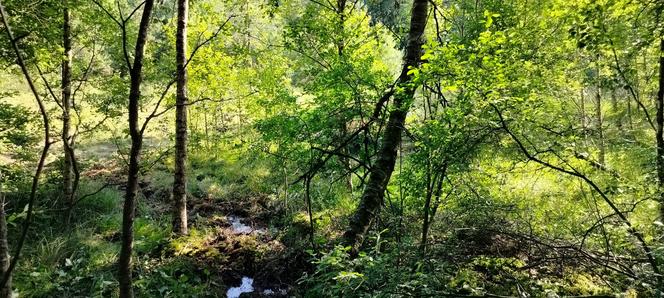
point(629, 114)
point(600, 128)
point(381, 171)
point(434, 189)
point(68, 167)
point(660, 129)
point(6, 291)
point(180, 179)
point(616, 110)
point(583, 114)
point(6, 277)
point(124, 262)
point(312, 225)
point(341, 8)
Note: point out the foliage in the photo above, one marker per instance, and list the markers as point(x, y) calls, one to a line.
point(527, 148)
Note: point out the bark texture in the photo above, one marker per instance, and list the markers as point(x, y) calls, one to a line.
point(125, 260)
point(6, 291)
point(68, 167)
point(434, 188)
point(180, 179)
point(659, 135)
point(381, 171)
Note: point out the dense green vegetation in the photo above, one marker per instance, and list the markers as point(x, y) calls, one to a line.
point(317, 148)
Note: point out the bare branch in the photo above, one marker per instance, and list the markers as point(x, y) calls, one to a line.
point(156, 107)
point(133, 11)
point(326, 6)
point(630, 228)
point(206, 41)
point(107, 12)
point(86, 72)
point(48, 86)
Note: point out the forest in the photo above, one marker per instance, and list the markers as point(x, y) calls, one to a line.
point(331, 148)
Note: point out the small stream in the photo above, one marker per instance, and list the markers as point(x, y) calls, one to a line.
point(247, 284)
point(238, 227)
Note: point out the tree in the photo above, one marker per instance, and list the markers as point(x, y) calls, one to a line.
point(659, 130)
point(136, 134)
point(180, 178)
point(659, 133)
point(381, 171)
point(69, 168)
point(5, 259)
point(7, 273)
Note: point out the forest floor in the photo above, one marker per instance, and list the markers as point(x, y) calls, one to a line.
point(233, 244)
point(240, 245)
point(240, 239)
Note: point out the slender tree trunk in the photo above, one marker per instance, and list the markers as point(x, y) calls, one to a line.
point(616, 110)
point(207, 129)
point(427, 208)
point(312, 225)
point(180, 179)
point(381, 171)
point(125, 260)
point(341, 8)
point(660, 129)
point(584, 127)
point(6, 277)
point(629, 114)
point(600, 128)
point(348, 167)
point(285, 173)
point(435, 187)
point(68, 167)
point(6, 291)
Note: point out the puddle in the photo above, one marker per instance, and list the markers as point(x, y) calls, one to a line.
point(245, 287)
point(238, 227)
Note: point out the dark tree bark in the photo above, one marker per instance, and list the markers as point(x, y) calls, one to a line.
point(7, 274)
point(6, 291)
point(434, 188)
point(180, 179)
point(312, 225)
point(136, 76)
point(629, 114)
point(381, 171)
point(659, 135)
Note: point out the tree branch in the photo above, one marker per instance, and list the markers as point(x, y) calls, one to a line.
point(206, 41)
point(631, 230)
